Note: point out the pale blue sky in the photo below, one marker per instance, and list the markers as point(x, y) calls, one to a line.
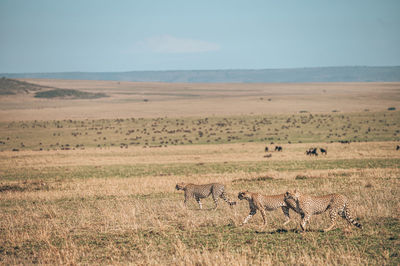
point(105, 35)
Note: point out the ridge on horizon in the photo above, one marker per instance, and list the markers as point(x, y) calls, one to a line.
point(304, 74)
point(190, 70)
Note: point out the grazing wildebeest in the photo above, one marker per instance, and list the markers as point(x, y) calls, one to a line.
point(278, 148)
point(312, 151)
point(398, 147)
point(266, 149)
point(323, 151)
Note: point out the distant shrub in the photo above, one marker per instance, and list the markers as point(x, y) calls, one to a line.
point(67, 93)
point(335, 111)
point(264, 178)
point(392, 108)
point(257, 179)
point(303, 111)
point(303, 177)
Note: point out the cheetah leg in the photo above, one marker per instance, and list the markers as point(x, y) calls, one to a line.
point(304, 221)
point(187, 196)
point(286, 213)
point(348, 227)
point(199, 202)
point(215, 198)
point(264, 216)
point(251, 214)
point(333, 215)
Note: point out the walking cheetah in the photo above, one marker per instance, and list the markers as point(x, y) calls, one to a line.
point(203, 191)
point(308, 205)
point(266, 203)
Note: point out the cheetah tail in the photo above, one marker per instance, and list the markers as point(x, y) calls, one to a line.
point(231, 203)
point(350, 219)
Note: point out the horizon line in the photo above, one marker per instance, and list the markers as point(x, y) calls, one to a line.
point(188, 70)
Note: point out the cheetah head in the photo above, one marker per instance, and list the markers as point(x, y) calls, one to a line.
point(244, 195)
point(180, 186)
point(292, 195)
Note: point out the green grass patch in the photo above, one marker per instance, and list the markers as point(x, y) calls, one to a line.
point(165, 170)
point(69, 94)
point(161, 132)
point(13, 86)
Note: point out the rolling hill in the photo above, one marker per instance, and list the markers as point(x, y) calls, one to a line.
point(14, 87)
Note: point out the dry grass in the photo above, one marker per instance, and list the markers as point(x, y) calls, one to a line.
point(192, 154)
point(109, 205)
point(142, 220)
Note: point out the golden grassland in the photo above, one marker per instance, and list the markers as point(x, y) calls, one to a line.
point(199, 154)
point(138, 99)
point(90, 207)
point(95, 183)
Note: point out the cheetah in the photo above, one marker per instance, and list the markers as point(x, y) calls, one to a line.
point(266, 203)
point(308, 205)
point(203, 191)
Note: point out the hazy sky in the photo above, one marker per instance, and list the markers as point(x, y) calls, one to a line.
point(85, 35)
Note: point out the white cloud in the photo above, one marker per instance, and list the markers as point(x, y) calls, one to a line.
point(173, 45)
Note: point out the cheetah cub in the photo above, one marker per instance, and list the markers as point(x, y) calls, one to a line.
point(203, 191)
point(308, 205)
point(266, 203)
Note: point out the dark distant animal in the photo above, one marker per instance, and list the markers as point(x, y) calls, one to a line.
point(266, 149)
point(323, 151)
point(269, 155)
point(312, 151)
point(278, 148)
point(203, 191)
point(398, 147)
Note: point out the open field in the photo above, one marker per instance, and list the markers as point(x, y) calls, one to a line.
point(164, 132)
point(88, 204)
point(92, 181)
point(119, 205)
point(138, 99)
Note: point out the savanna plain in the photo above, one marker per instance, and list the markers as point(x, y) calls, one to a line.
point(92, 181)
